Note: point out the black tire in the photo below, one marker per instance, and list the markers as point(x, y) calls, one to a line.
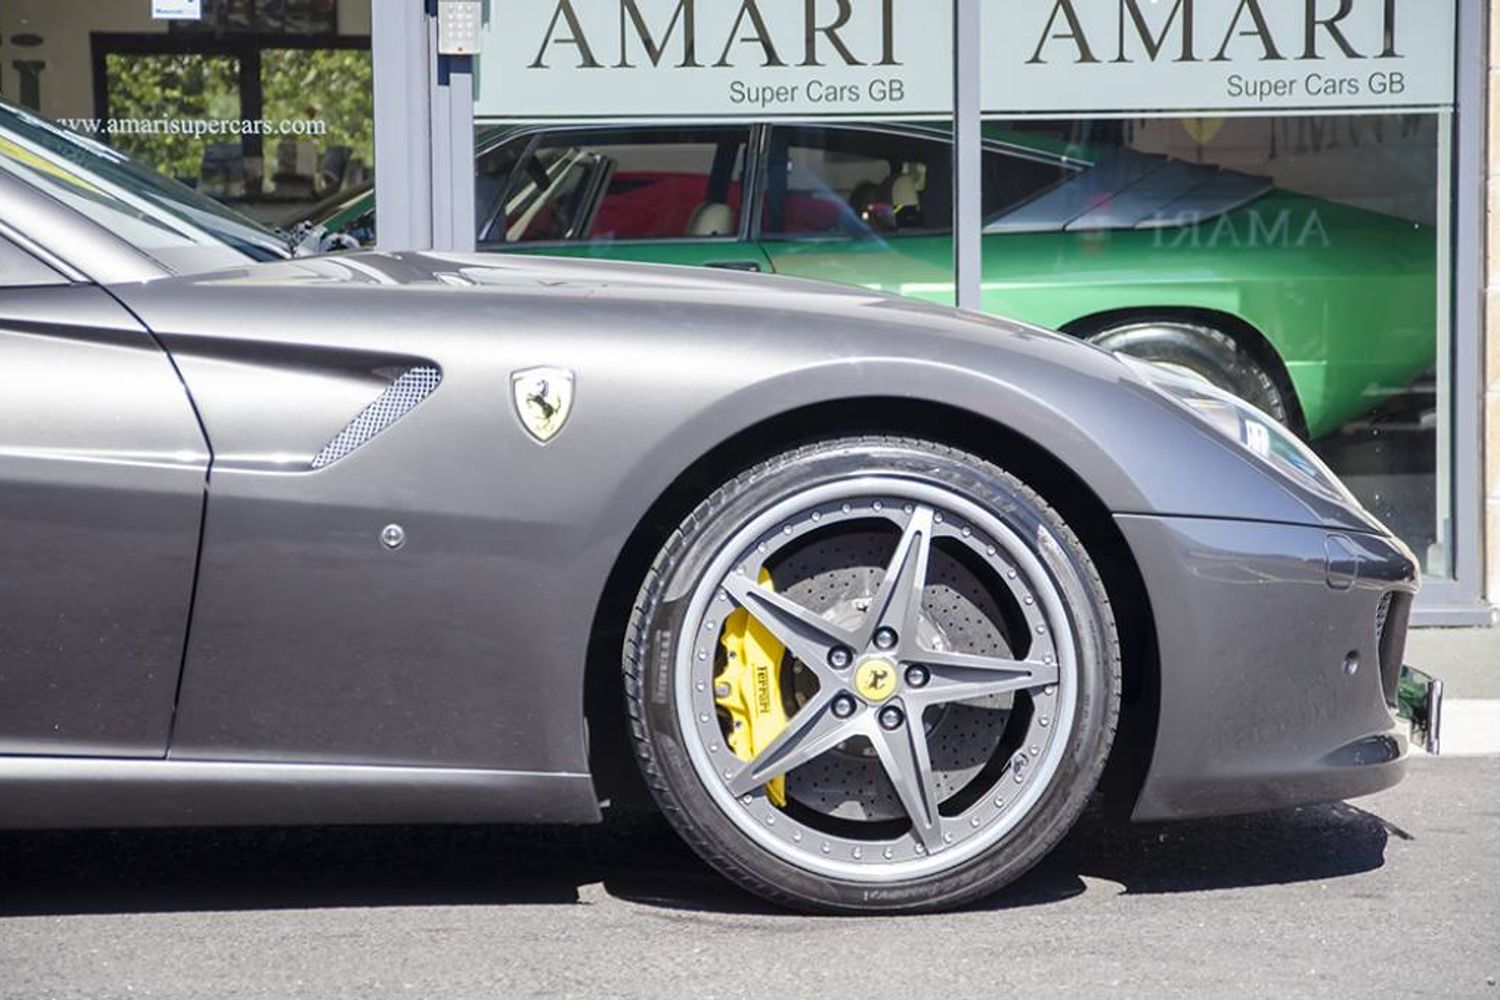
point(660, 616)
point(1209, 353)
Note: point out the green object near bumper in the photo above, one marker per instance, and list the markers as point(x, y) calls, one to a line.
point(1419, 700)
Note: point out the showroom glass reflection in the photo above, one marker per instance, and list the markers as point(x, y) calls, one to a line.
point(265, 107)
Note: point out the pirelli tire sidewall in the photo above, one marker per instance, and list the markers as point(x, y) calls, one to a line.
point(657, 625)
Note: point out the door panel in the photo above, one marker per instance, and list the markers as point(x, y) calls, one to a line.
point(918, 266)
point(102, 467)
point(314, 640)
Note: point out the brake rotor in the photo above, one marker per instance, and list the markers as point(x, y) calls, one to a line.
point(836, 578)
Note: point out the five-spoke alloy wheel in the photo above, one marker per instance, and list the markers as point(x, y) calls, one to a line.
point(873, 674)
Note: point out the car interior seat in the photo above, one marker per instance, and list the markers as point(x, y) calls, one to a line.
point(906, 196)
point(711, 218)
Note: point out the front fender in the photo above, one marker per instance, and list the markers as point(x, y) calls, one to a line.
point(1136, 450)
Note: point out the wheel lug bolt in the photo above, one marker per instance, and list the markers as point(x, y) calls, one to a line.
point(891, 717)
point(885, 638)
point(843, 706)
point(917, 675)
point(839, 658)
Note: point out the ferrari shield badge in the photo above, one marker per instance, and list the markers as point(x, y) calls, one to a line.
point(543, 398)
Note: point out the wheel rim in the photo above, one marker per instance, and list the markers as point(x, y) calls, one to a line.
point(938, 832)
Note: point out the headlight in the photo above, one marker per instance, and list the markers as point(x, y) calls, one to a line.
point(1255, 431)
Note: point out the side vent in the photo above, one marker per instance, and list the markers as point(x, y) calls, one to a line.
point(399, 398)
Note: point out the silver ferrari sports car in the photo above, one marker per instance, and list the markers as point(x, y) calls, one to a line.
point(871, 597)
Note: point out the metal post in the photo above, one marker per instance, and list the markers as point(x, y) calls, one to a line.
point(453, 155)
point(1468, 345)
point(967, 177)
point(403, 147)
point(1460, 600)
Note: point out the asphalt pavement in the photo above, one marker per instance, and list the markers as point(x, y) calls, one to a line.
point(1394, 895)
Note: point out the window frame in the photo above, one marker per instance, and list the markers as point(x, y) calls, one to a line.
point(987, 146)
point(533, 135)
point(1459, 599)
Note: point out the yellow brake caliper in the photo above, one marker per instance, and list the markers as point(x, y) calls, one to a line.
point(749, 689)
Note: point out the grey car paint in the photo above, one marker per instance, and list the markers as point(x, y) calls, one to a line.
point(482, 618)
point(1260, 707)
point(456, 663)
point(68, 241)
point(102, 467)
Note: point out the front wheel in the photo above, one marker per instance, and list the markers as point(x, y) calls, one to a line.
point(872, 674)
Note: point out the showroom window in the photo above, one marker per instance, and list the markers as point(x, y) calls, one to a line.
point(678, 160)
point(1292, 260)
point(266, 108)
point(1266, 202)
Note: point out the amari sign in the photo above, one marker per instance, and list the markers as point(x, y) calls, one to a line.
point(726, 59)
point(621, 59)
point(1139, 56)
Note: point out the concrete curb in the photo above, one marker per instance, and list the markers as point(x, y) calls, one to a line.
point(1471, 727)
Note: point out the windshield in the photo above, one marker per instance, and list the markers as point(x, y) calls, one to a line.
point(166, 220)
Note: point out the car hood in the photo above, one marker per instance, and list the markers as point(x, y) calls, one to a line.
point(835, 307)
point(509, 272)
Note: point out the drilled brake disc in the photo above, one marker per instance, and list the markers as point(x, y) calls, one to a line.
point(836, 578)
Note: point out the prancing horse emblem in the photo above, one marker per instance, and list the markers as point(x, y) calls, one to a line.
point(543, 398)
point(875, 680)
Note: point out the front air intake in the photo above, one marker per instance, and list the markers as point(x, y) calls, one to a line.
point(399, 398)
point(1391, 621)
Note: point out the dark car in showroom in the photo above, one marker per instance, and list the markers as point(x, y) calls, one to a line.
point(875, 594)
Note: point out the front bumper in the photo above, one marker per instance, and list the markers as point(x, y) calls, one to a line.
point(1280, 652)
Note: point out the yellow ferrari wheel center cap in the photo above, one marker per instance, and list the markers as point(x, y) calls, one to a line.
point(875, 680)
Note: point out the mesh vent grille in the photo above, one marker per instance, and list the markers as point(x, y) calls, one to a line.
point(1382, 613)
point(399, 398)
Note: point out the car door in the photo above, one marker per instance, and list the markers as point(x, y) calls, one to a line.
point(861, 205)
point(670, 195)
point(102, 467)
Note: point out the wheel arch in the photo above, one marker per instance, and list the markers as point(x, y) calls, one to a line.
point(1245, 333)
point(610, 761)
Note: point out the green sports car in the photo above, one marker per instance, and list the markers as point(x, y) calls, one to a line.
point(1315, 311)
